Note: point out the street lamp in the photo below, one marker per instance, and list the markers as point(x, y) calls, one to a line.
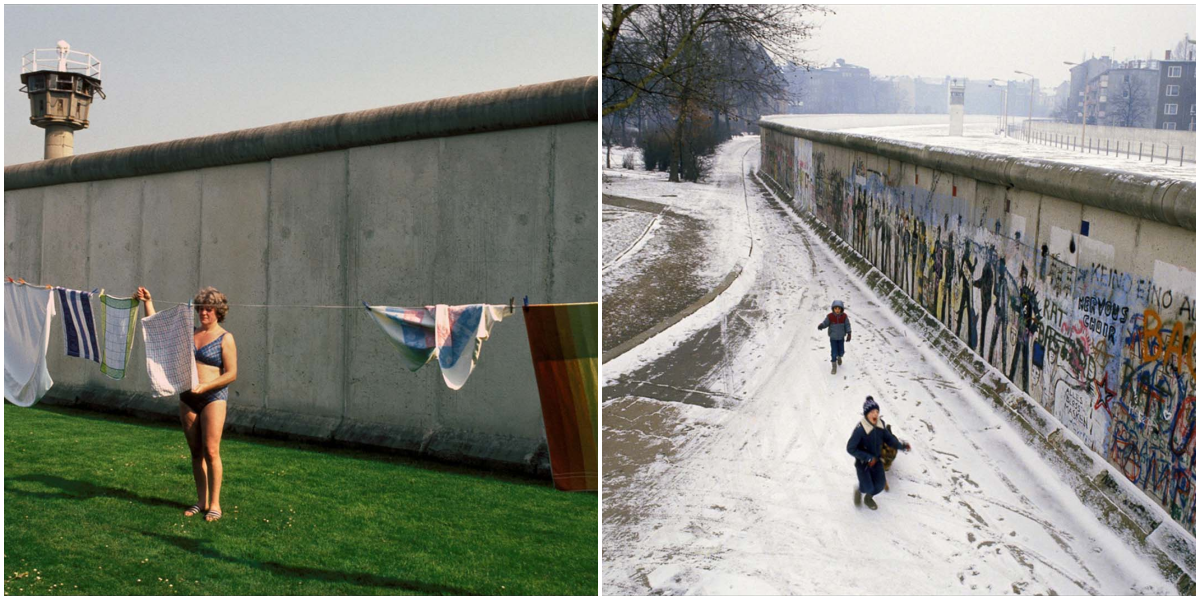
point(1030, 131)
point(1086, 89)
point(1004, 90)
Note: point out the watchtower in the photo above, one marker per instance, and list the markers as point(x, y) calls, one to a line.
point(61, 84)
point(958, 93)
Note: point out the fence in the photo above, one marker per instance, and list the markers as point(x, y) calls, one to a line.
point(1130, 142)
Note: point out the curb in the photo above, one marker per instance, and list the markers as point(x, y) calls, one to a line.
point(1130, 516)
point(636, 340)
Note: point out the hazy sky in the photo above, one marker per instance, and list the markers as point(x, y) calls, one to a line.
point(173, 72)
point(981, 42)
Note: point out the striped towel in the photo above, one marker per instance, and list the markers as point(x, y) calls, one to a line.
point(563, 342)
point(117, 320)
point(453, 334)
point(79, 329)
point(170, 351)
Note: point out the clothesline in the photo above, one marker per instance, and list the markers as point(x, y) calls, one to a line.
point(511, 301)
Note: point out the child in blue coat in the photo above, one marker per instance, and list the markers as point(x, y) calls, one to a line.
point(866, 446)
point(839, 332)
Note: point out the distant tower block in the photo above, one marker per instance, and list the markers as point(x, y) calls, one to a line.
point(60, 83)
point(958, 92)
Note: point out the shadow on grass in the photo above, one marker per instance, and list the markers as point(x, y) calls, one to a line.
point(344, 449)
point(82, 490)
point(203, 549)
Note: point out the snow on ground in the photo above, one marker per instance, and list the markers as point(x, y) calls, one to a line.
point(979, 135)
point(755, 496)
point(623, 229)
point(718, 202)
point(844, 122)
point(618, 156)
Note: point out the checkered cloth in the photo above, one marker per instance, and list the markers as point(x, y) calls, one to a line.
point(170, 351)
point(117, 321)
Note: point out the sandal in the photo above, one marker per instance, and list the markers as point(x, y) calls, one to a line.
point(212, 515)
point(193, 510)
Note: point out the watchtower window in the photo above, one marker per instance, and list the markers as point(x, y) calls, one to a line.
point(37, 84)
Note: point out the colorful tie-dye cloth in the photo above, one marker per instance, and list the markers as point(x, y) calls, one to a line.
point(452, 334)
point(118, 318)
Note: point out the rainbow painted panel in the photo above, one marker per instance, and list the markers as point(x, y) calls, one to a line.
point(564, 344)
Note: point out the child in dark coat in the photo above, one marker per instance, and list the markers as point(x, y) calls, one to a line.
point(838, 324)
point(866, 445)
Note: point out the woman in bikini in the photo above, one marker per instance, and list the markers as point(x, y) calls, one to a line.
point(202, 410)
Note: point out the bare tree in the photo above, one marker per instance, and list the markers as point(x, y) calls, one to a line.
point(699, 59)
point(1129, 104)
point(1185, 49)
point(1062, 111)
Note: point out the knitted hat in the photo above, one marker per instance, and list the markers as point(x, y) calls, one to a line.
point(869, 405)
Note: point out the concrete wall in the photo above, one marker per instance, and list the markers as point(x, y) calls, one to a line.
point(1097, 326)
point(1130, 139)
point(456, 218)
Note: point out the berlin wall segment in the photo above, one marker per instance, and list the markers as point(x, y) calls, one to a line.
point(1097, 326)
point(498, 203)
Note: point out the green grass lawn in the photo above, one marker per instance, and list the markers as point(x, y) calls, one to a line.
point(93, 504)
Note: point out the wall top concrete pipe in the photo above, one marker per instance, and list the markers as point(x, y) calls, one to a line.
point(1162, 199)
point(551, 103)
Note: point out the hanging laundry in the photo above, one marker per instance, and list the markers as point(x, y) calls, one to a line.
point(170, 351)
point(564, 344)
point(28, 311)
point(118, 320)
point(453, 334)
point(79, 328)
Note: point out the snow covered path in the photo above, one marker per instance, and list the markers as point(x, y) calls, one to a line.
point(753, 493)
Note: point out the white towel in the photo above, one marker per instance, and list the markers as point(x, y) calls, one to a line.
point(170, 351)
point(28, 311)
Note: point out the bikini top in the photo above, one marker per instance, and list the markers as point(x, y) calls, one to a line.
point(210, 353)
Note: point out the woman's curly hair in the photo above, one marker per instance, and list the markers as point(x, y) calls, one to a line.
point(209, 296)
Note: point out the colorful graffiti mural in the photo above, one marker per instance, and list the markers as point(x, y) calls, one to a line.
point(1110, 354)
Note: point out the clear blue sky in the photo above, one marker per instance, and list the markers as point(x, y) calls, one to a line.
point(174, 72)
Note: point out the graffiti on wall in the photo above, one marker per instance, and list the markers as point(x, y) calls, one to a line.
point(1110, 354)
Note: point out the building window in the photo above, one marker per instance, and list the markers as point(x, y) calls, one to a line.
point(1125, 78)
point(1125, 93)
point(1169, 125)
point(1172, 90)
point(1104, 98)
point(1174, 71)
point(1170, 109)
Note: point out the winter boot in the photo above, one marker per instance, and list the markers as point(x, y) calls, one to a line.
point(834, 370)
point(857, 496)
point(839, 360)
point(870, 502)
